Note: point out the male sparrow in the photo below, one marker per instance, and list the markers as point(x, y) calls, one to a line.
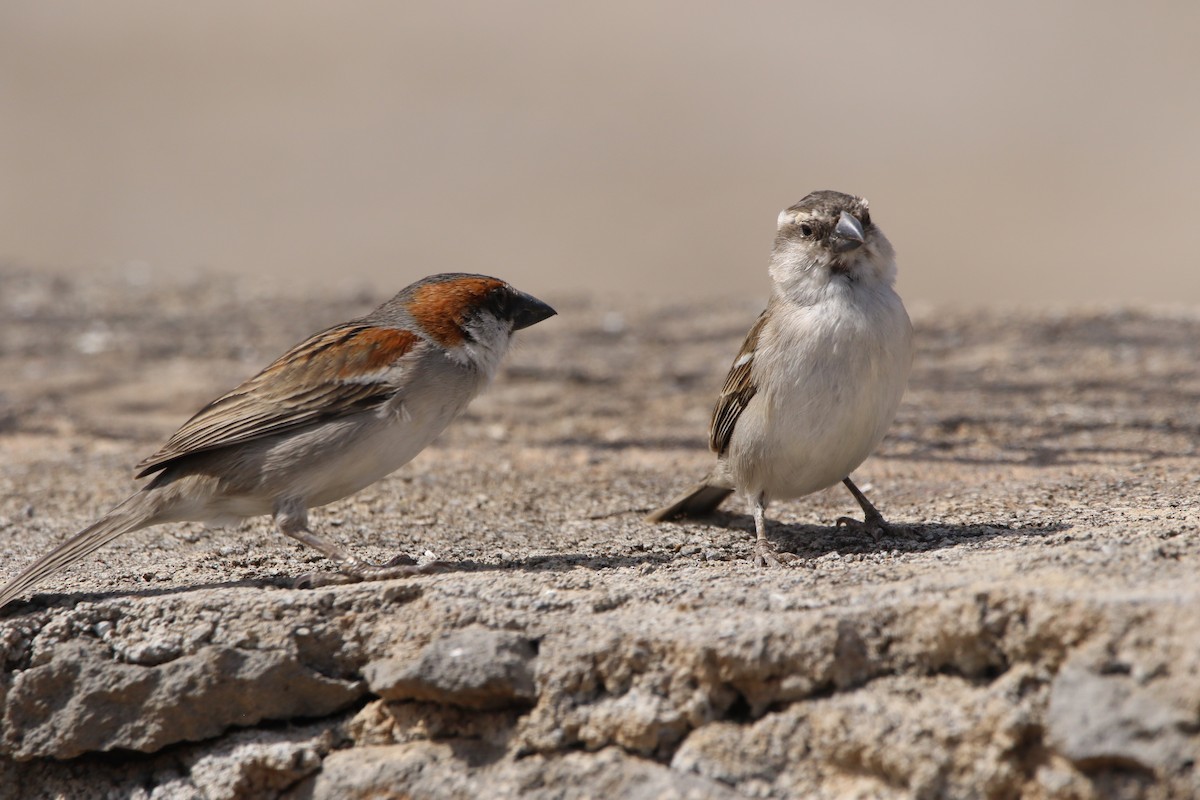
point(329, 417)
point(818, 379)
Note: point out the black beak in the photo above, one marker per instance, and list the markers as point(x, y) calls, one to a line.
point(847, 235)
point(528, 310)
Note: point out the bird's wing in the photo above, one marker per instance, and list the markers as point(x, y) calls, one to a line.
point(736, 393)
point(345, 369)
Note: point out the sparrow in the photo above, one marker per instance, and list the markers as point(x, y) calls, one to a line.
point(820, 375)
point(331, 416)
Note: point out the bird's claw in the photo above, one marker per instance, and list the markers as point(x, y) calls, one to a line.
point(876, 526)
point(765, 555)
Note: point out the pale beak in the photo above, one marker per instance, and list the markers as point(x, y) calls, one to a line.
point(847, 235)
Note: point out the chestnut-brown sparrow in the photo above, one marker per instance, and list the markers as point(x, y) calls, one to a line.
point(329, 417)
point(818, 380)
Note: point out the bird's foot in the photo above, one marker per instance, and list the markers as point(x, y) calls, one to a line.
point(357, 571)
point(874, 525)
point(765, 555)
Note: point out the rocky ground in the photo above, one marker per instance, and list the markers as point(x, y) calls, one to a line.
point(1031, 629)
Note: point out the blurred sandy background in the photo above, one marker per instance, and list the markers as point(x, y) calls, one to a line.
point(1016, 153)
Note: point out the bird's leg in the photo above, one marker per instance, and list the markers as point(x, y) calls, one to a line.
point(873, 522)
point(765, 554)
point(292, 520)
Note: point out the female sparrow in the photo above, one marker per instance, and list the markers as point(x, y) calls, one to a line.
point(820, 375)
point(329, 417)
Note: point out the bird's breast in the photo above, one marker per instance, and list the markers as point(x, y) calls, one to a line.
point(829, 379)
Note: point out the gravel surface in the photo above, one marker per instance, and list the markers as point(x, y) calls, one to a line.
point(1030, 629)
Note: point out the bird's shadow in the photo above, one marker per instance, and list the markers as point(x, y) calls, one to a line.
point(807, 542)
point(814, 541)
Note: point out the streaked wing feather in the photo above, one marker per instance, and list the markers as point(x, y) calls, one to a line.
point(320, 378)
point(736, 393)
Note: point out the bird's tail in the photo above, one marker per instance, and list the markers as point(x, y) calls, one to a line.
point(130, 515)
point(701, 500)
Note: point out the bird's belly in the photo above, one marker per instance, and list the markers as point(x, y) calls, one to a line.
point(371, 454)
point(327, 462)
point(322, 466)
point(370, 457)
point(789, 456)
point(807, 435)
point(810, 453)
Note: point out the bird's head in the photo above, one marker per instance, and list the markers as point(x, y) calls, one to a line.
point(472, 316)
point(829, 237)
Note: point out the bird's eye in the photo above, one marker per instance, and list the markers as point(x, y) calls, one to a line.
point(866, 218)
point(805, 229)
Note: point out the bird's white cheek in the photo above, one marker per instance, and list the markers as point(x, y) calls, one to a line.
point(490, 340)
